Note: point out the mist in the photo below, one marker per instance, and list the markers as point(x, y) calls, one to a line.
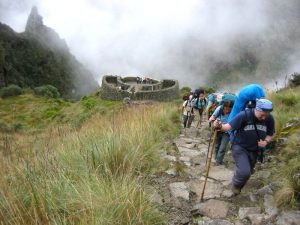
point(191, 41)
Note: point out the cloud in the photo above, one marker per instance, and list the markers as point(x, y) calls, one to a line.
point(168, 38)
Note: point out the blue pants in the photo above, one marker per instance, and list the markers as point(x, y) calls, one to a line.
point(244, 165)
point(221, 145)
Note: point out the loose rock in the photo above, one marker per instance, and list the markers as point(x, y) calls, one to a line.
point(244, 212)
point(270, 206)
point(179, 189)
point(215, 209)
point(256, 219)
point(212, 190)
point(289, 218)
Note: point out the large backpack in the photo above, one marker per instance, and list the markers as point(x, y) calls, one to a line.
point(197, 92)
point(247, 94)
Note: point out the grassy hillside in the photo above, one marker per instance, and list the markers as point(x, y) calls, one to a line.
point(92, 174)
point(28, 112)
point(286, 165)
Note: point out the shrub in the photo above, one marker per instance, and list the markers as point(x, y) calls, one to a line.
point(47, 91)
point(185, 90)
point(209, 90)
point(11, 90)
point(295, 79)
point(88, 102)
point(51, 113)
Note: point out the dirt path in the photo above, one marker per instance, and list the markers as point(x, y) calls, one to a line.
point(178, 189)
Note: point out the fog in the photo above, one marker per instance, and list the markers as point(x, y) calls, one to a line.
point(186, 40)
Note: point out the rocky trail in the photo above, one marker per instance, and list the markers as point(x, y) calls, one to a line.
point(178, 189)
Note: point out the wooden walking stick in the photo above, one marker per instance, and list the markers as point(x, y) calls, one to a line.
point(209, 162)
point(210, 137)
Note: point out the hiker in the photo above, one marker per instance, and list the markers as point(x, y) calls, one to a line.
point(187, 112)
point(221, 113)
point(212, 105)
point(252, 129)
point(199, 105)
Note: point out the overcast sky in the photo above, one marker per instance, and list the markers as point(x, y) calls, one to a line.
point(160, 38)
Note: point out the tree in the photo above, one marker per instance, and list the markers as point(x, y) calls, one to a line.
point(2, 63)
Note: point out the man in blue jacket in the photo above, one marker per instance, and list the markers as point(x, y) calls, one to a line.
point(252, 129)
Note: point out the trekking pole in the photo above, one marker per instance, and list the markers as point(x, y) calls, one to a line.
point(209, 162)
point(210, 137)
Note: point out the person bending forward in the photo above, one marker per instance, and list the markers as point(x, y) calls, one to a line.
point(252, 129)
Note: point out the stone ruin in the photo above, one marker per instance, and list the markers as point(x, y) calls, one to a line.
point(118, 88)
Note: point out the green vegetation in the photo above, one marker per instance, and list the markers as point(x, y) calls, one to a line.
point(11, 90)
point(185, 91)
point(47, 91)
point(91, 174)
point(28, 62)
point(88, 102)
point(294, 79)
point(287, 162)
point(36, 113)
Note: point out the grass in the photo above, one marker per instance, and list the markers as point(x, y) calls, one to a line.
point(34, 112)
point(286, 168)
point(91, 175)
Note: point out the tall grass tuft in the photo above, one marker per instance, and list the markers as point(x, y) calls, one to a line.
point(289, 194)
point(287, 166)
point(93, 175)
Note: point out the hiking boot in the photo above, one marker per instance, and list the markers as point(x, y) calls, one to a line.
point(235, 190)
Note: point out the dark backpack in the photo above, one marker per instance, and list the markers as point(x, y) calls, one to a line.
point(197, 92)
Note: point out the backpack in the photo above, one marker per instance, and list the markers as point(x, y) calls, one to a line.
point(197, 92)
point(248, 93)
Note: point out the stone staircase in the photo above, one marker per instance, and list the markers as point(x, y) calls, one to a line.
point(178, 189)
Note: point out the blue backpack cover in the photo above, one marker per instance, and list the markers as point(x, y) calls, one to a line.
point(248, 93)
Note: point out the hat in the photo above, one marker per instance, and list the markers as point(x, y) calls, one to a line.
point(264, 105)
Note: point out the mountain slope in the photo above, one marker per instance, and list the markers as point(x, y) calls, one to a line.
point(38, 57)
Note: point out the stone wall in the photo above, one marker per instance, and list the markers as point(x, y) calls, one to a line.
point(115, 88)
